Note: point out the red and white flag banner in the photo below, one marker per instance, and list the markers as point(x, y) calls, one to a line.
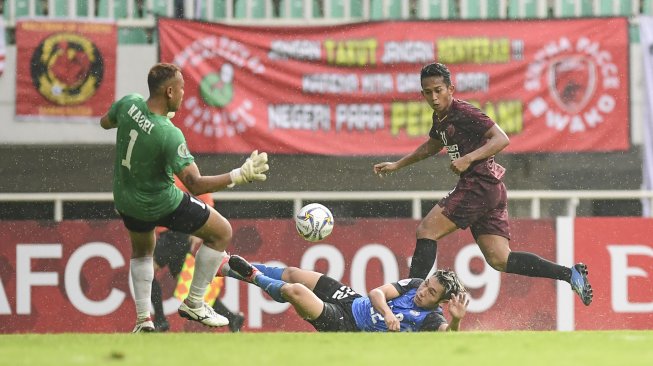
point(65, 70)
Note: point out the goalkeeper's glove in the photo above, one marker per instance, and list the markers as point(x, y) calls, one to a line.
point(253, 169)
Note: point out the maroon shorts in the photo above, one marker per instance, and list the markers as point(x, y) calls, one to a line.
point(480, 205)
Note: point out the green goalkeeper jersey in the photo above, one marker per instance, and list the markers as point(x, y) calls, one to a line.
point(149, 150)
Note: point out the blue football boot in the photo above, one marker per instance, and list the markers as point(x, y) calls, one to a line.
point(580, 284)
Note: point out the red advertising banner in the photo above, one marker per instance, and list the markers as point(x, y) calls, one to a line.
point(553, 85)
point(66, 70)
point(619, 252)
point(73, 276)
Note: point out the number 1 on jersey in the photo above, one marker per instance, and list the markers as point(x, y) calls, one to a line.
point(133, 135)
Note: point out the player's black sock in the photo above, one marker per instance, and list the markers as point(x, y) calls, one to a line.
point(219, 308)
point(423, 258)
point(157, 300)
point(529, 264)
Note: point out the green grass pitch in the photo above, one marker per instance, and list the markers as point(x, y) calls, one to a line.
point(628, 348)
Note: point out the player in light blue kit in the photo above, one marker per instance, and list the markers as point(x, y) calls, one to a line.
point(409, 305)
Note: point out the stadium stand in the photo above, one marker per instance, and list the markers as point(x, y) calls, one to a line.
point(142, 13)
point(136, 18)
point(525, 9)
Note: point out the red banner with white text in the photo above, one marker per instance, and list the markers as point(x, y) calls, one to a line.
point(552, 85)
point(65, 70)
point(620, 260)
point(73, 276)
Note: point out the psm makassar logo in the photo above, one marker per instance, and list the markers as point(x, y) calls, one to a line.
point(582, 82)
point(67, 68)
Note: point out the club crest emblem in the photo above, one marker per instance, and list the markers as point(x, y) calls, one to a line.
point(572, 82)
point(576, 84)
point(214, 107)
point(67, 69)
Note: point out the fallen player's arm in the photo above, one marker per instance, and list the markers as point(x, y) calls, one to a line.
point(379, 298)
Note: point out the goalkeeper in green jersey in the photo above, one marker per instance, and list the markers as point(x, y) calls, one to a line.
point(149, 150)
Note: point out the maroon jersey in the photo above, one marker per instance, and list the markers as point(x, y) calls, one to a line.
point(461, 132)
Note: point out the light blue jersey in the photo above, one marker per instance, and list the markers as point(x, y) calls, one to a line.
point(412, 317)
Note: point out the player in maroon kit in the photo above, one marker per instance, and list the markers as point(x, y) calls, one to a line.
point(479, 200)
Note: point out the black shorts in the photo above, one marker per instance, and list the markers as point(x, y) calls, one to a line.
point(191, 214)
point(171, 249)
point(338, 298)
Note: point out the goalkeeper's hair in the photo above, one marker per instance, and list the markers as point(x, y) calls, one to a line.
point(438, 70)
point(449, 280)
point(159, 74)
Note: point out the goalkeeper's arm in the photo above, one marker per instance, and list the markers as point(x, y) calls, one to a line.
point(252, 170)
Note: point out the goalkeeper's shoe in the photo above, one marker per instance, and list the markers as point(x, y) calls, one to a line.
point(243, 268)
point(580, 284)
point(144, 326)
point(203, 314)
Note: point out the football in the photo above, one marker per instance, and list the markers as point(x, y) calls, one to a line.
point(314, 222)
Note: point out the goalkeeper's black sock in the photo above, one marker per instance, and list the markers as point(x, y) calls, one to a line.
point(157, 300)
point(423, 258)
point(529, 264)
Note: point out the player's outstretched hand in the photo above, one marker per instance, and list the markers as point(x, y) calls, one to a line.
point(458, 305)
point(257, 168)
point(252, 170)
point(385, 168)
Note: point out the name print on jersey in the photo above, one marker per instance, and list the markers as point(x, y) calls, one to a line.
point(139, 118)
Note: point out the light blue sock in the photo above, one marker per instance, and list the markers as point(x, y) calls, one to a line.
point(272, 272)
point(271, 286)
